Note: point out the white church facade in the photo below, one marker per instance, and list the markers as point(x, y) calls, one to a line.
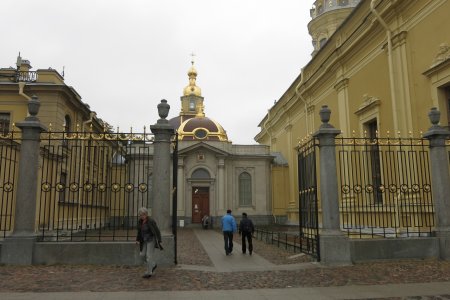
point(214, 174)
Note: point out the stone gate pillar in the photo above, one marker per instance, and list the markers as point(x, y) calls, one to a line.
point(440, 181)
point(162, 169)
point(334, 245)
point(18, 247)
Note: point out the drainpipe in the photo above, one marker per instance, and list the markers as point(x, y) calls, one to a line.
point(297, 92)
point(21, 93)
point(390, 62)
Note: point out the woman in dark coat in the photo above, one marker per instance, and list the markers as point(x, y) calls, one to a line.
point(149, 238)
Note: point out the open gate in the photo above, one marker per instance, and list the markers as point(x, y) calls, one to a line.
point(308, 204)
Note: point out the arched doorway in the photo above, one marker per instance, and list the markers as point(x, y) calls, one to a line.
point(200, 203)
point(200, 195)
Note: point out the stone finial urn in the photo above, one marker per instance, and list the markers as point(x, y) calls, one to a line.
point(163, 109)
point(325, 114)
point(434, 115)
point(33, 106)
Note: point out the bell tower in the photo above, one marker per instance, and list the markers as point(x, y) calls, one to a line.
point(326, 16)
point(192, 100)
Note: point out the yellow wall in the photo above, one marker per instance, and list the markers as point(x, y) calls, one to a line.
point(351, 75)
point(280, 188)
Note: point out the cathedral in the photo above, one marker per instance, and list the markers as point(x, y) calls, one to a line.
point(214, 174)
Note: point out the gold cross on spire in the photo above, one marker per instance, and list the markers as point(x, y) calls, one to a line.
point(192, 55)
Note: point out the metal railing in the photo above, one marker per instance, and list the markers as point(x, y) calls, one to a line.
point(26, 76)
point(287, 240)
point(9, 157)
point(385, 187)
point(92, 185)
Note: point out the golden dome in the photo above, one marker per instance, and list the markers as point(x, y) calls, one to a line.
point(201, 128)
point(192, 88)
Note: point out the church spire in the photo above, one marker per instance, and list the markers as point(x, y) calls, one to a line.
point(192, 88)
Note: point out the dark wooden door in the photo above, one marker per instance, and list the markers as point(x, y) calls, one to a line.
point(200, 203)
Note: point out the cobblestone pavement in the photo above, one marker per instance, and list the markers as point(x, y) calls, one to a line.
point(66, 278)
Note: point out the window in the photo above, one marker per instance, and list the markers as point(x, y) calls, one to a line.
point(322, 42)
point(200, 174)
point(200, 133)
point(245, 189)
point(67, 123)
point(320, 9)
point(67, 126)
point(192, 105)
point(374, 160)
point(5, 119)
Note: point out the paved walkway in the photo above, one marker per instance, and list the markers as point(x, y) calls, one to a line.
point(394, 291)
point(212, 242)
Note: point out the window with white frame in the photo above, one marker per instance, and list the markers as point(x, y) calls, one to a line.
point(245, 189)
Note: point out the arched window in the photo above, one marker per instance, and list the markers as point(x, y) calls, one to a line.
point(201, 174)
point(319, 9)
point(5, 120)
point(67, 127)
point(67, 123)
point(245, 189)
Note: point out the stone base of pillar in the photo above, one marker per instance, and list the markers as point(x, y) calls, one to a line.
point(444, 244)
point(335, 249)
point(166, 257)
point(18, 250)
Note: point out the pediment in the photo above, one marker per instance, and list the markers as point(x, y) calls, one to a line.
point(204, 147)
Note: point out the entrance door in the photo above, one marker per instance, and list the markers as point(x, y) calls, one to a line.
point(200, 203)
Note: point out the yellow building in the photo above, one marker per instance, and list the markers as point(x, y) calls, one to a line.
point(380, 71)
point(61, 105)
point(68, 157)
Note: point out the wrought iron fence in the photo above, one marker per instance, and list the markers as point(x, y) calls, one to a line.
point(9, 157)
point(286, 240)
point(92, 185)
point(308, 201)
point(385, 187)
point(447, 143)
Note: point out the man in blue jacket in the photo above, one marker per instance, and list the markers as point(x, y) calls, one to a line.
point(228, 228)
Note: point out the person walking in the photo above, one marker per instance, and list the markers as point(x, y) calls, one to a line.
point(149, 238)
point(205, 222)
point(229, 227)
point(246, 230)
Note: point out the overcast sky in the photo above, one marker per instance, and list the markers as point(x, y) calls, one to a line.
point(123, 57)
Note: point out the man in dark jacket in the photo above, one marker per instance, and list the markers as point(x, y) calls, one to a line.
point(246, 230)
